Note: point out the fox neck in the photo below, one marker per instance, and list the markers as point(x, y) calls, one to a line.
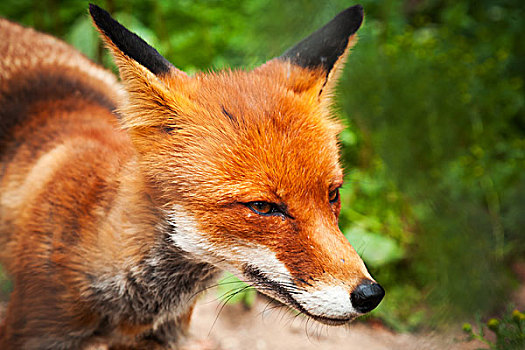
point(168, 279)
point(165, 280)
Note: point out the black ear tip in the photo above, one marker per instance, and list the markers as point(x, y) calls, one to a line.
point(95, 11)
point(352, 17)
point(324, 47)
point(129, 43)
point(100, 16)
point(358, 9)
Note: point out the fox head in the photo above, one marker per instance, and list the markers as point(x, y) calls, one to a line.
point(245, 165)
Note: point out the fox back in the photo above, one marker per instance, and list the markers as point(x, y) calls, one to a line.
point(120, 203)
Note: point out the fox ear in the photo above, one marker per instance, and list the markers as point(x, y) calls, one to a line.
point(325, 50)
point(146, 75)
point(122, 41)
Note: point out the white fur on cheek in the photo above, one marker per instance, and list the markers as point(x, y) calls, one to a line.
point(187, 236)
point(190, 239)
point(329, 301)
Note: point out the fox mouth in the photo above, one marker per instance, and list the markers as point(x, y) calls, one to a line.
point(281, 292)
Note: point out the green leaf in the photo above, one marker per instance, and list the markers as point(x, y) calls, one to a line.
point(83, 36)
point(232, 290)
point(375, 249)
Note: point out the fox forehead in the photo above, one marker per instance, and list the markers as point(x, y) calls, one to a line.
point(277, 91)
point(255, 130)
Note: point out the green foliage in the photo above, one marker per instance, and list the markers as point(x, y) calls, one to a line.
point(509, 331)
point(232, 290)
point(434, 152)
point(378, 232)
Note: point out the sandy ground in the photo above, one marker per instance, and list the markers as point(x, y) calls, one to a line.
point(266, 327)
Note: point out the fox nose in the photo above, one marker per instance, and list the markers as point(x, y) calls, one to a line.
point(367, 296)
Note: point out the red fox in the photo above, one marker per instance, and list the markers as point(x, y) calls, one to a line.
point(120, 203)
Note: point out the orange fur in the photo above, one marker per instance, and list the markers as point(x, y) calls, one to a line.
point(111, 220)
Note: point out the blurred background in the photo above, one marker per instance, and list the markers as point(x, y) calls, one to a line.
point(434, 149)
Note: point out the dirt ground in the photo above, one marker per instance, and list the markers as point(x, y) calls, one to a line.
point(266, 327)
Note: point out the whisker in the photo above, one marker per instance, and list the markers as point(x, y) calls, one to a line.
point(223, 304)
point(232, 292)
point(212, 286)
point(273, 307)
point(306, 330)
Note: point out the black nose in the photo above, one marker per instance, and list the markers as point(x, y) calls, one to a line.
point(367, 296)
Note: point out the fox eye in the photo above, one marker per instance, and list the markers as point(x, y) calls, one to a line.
point(263, 208)
point(333, 196)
